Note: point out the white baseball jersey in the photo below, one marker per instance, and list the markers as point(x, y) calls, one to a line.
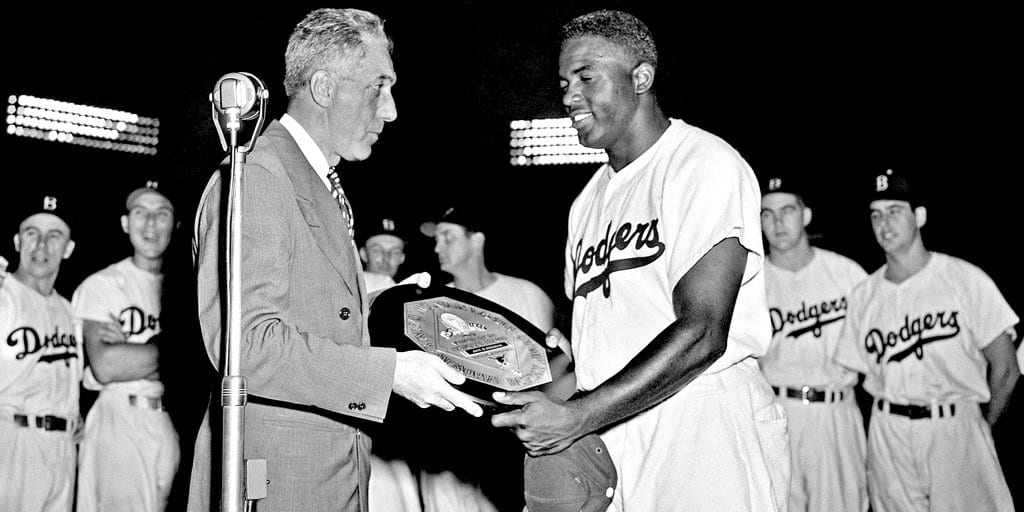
point(827, 442)
point(129, 453)
point(807, 308)
point(632, 235)
point(40, 374)
point(521, 297)
point(920, 342)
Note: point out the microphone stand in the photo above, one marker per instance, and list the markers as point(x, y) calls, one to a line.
point(236, 97)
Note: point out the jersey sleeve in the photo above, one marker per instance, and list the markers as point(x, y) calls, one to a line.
point(991, 314)
point(92, 299)
point(847, 352)
point(712, 195)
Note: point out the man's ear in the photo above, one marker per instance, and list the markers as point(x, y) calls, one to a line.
point(363, 256)
point(68, 249)
point(808, 215)
point(643, 78)
point(124, 224)
point(17, 242)
point(321, 87)
point(921, 216)
point(478, 238)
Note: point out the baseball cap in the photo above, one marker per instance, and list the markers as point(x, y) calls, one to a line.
point(57, 203)
point(466, 213)
point(892, 185)
point(783, 183)
point(374, 225)
point(580, 478)
point(149, 186)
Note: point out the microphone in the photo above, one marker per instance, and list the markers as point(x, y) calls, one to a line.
point(237, 97)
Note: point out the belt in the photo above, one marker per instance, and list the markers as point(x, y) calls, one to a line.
point(47, 422)
point(808, 394)
point(146, 402)
point(917, 412)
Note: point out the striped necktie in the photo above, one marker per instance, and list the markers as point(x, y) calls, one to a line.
point(339, 196)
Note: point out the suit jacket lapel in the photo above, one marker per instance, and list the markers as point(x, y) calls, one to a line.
point(321, 212)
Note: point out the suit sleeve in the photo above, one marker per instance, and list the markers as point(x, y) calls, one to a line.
point(281, 359)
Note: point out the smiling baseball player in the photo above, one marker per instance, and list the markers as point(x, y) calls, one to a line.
point(130, 451)
point(934, 337)
point(40, 367)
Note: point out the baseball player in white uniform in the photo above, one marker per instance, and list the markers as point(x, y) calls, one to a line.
point(382, 251)
point(130, 450)
point(808, 290)
point(664, 265)
point(40, 367)
point(934, 338)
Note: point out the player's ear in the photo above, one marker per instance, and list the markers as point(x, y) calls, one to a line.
point(808, 215)
point(321, 87)
point(17, 242)
point(478, 238)
point(124, 224)
point(921, 216)
point(643, 78)
point(68, 249)
point(363, 256)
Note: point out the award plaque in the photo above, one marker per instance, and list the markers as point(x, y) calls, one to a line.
point(496, 349)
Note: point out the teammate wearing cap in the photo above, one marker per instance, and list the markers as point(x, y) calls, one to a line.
point(460, 235)
point(924, 329)
point(40, 368)
point(130, 450)
point(807, 301)
point(664, 265)
point(382, 252)
point(459, 239)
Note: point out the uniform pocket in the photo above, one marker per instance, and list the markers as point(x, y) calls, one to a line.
point(771, 425)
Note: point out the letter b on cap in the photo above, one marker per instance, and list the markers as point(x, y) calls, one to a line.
point(881, 183)
point(49, 203)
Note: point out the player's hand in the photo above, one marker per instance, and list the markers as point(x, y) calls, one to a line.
point(543, 424)
point(425, 380)
point(555, 339)
point(107, 332)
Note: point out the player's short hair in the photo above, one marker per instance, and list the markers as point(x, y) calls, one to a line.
point(324, 36)
point(618, 27)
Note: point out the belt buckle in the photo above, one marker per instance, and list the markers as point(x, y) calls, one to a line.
point(805, 392)
point(50, 423)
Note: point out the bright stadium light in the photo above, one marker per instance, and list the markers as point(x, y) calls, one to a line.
point(81, 125)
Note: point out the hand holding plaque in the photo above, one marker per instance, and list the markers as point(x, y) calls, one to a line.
point(496, 349)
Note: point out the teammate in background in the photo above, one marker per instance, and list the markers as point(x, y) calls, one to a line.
point(130, 450)
point(382, 252)
point(40, 367)
point(460, 234)
point(393, 487)
point(807, 301)
point(924, 329)
point(664, 267)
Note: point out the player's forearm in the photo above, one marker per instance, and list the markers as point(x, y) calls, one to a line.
point(121, 362)
point(672, 360)
point(1000, 384)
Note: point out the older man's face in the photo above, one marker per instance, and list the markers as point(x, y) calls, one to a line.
point(362, 101)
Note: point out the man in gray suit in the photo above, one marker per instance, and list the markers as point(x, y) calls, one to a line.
point(313, 378)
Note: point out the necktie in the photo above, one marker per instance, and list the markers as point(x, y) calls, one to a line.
point(339, 196)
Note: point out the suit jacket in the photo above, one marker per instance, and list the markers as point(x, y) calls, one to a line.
point(311, 374)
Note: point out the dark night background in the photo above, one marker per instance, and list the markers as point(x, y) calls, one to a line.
point(834, 93)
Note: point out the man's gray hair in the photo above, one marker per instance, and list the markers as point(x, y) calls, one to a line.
point(324, 36)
